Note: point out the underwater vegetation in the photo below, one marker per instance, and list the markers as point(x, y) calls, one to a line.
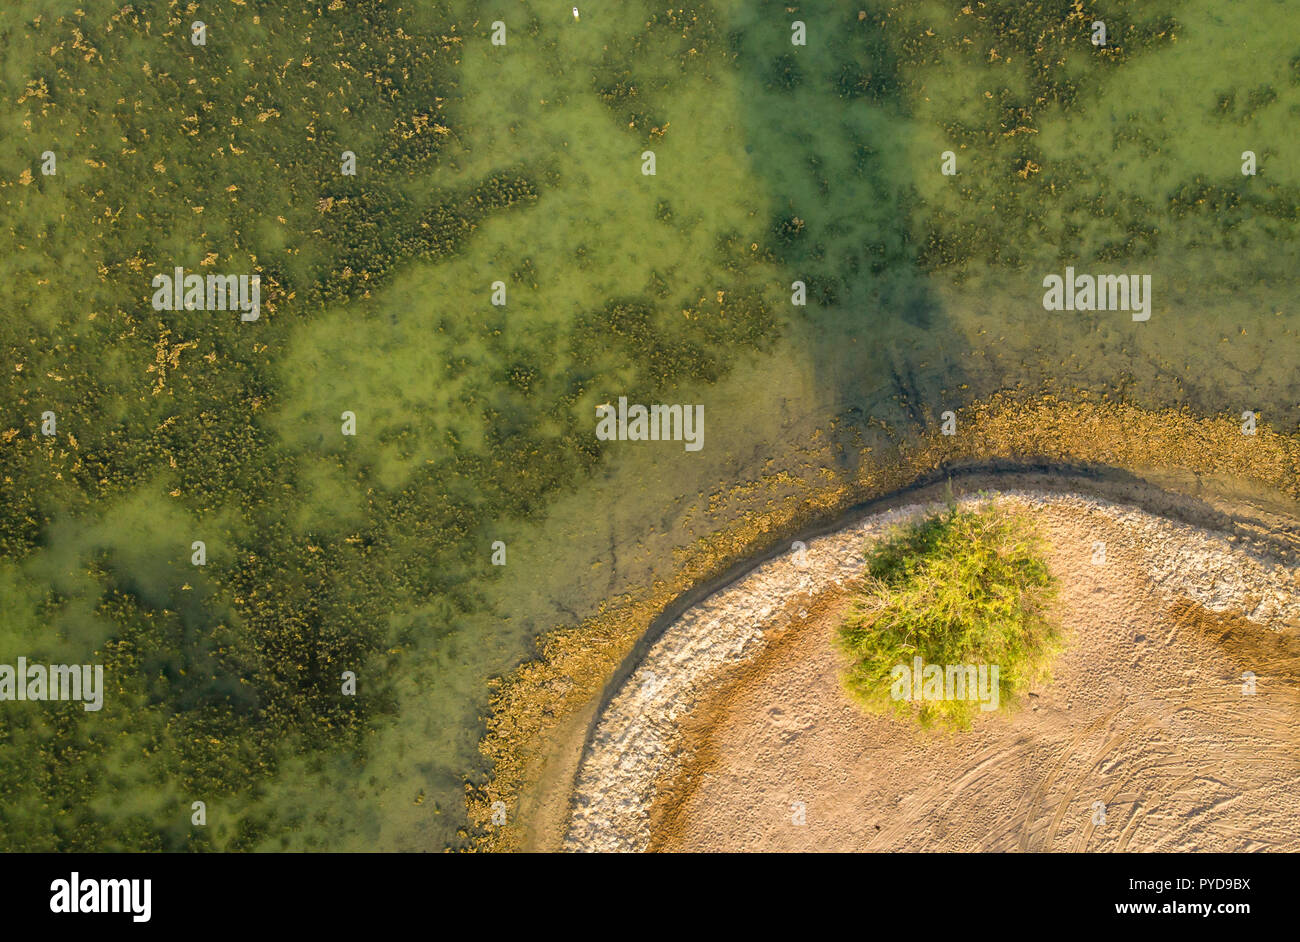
point(330, 553)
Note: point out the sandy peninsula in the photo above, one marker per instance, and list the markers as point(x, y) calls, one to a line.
point(735, 734)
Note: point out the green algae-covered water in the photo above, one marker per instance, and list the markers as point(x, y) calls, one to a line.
point(521, 163)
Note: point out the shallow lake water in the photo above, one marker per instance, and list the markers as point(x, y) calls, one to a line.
point(774, 163)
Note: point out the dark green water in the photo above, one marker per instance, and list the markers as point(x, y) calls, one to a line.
point(522, 163)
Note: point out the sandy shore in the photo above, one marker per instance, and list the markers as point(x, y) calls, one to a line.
point(734, 728)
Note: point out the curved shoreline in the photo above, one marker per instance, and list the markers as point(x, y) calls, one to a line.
point(1199, 469)
point(1273, 535)
point(632, 745)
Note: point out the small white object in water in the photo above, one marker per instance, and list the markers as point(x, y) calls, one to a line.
point(575, 13)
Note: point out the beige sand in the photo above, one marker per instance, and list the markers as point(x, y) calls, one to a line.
point(736, 727)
